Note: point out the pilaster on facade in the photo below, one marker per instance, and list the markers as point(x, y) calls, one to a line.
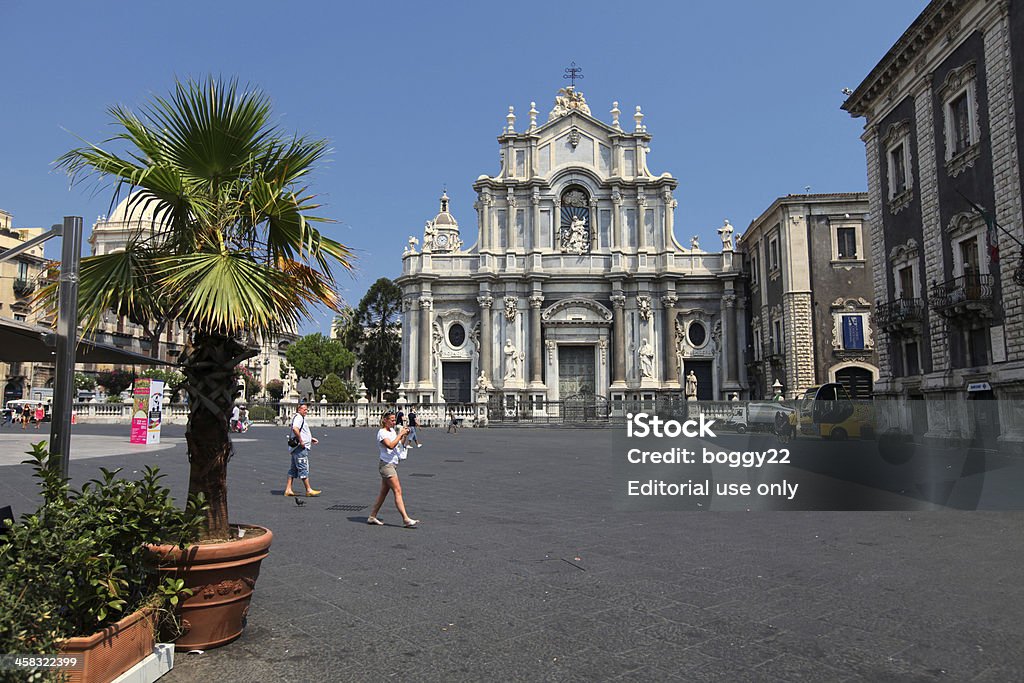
point(1006, 173)
point(798, 322)
point(879, 257)
point(934, 268)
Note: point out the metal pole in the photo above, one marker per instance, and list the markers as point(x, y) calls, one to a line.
point(67, 338)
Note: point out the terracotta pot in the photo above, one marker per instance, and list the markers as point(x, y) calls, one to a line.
point(107, 654)
point(222, 577)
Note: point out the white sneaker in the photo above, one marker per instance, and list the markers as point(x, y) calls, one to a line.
point(411, 523)
point(419, 445)
point(374, 520)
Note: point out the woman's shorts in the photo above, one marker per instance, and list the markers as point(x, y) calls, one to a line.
point(387, 470)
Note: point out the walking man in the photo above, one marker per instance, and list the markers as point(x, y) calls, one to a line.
point(300, 453)
point(413, 424)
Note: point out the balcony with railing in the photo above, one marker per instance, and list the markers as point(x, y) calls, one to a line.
point(964, 298)
point(23, 287)
point(901, 316)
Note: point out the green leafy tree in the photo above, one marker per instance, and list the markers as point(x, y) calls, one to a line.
point(84, 382)
point(275, 389)
point(335, 389)
point(115, 381)
point(375, 331)
point(234, 254)
point(316, 356)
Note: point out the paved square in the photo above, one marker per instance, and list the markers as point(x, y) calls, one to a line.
point(522, 570)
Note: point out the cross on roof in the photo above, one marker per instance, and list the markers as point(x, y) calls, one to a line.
point(572, 73)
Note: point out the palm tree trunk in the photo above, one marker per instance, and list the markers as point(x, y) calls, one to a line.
point(209, 369)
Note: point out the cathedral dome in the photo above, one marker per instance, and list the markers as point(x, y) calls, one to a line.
point(137, 210)
point(444, 218)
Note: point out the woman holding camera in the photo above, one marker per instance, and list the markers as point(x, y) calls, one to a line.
point(389, 443)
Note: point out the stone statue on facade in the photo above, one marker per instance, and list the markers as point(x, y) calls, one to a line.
point(411, 249)
point(691, 386)
point(695, 243)
point(577, 235)
point(643, 306)
point(482, 386)
point(510, 308)
point(512, 358)
point(429, 232)
point(568, 100)
point(646, 354)
point(725, 232)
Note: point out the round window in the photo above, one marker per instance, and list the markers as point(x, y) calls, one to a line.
point(456, 335)
point(697, 333)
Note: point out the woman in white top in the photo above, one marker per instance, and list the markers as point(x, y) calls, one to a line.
point(389, 442)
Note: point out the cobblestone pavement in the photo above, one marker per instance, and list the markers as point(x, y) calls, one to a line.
point(522, 570)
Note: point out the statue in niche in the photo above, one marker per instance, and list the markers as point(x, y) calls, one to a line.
point(725, 232)
point(691, 386)
point(512, 358)
point(577, 235)
point(646, 354)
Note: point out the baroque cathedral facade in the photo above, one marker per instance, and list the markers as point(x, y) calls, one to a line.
point(577, 285)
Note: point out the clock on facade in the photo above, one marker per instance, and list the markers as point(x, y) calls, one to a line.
point(442, 240)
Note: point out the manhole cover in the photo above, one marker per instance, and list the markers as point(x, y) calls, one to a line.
point(420, 474)
point(348, 508)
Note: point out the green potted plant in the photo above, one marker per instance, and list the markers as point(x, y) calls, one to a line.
point(76, 577)
point(232, 256)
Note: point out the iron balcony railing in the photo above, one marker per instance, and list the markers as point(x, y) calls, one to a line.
point(899, 313)
point(965, 294)
point(23, 286)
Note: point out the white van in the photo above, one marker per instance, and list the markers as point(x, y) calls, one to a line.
point(18, 405)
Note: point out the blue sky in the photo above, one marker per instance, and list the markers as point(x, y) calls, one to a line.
point(742, 98)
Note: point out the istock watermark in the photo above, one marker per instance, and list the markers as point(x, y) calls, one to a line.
point(805, 456)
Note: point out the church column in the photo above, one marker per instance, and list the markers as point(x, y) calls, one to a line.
point(412, 316)
point(619, 325)
point(594, 243)
point(535, 218)
point(485, 302)
point(617, 240)
point(426, 303)
point(641, 219)
point(536, 352)
point(486, 240)
point(511, 222)
point(669, 209)
point(671, 366)
point(729, 337)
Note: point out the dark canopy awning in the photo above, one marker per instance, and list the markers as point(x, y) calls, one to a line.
point(22, 342)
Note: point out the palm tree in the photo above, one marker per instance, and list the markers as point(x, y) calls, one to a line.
point(234, 256)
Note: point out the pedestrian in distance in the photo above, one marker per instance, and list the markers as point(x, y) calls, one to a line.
point(300, 453)
point(413, 424)
point(453, 424)
point(389, 445)
point(400, 418)
point(39, 415)
point(8, 417)
point(233, 426)
point(26, 416)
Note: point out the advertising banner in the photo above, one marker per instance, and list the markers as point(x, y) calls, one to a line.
point(147, 411)
point(140, 411)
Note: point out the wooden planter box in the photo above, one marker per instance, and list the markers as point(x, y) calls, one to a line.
point(107, 654)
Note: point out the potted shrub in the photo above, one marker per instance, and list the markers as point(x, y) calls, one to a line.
point(75, 576)
point(232, 256)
